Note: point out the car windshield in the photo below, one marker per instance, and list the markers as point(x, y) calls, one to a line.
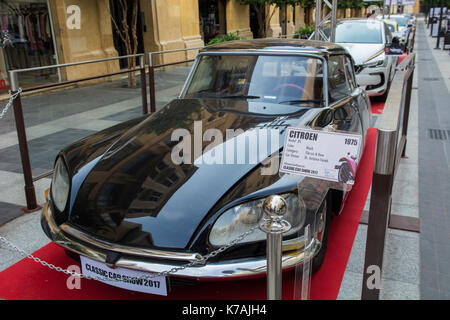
point(400, 20)
point(296, 80)
point(357, 32)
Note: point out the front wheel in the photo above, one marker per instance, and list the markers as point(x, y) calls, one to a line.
point(384, 96)
point(323, 228)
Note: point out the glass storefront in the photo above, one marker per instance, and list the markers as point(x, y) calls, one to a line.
point(26, 39)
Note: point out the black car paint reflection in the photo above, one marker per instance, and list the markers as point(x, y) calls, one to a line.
point(135, 195)
point(126, 190)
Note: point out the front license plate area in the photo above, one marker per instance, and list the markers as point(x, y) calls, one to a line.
point(130, 279)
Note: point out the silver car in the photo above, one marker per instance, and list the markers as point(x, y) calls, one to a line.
point(366, 40)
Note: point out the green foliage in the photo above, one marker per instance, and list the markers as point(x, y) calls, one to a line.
point(278, 3)
point(226, 37)
point(307, 3)
point(356, 4)
point(437, 3)
point(303, 32)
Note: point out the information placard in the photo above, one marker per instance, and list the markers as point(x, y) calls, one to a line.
point(127, 278)
point(320, 154)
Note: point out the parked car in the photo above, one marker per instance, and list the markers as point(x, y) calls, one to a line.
point(404, 27)
point(366, 40)
point(411, 19)
point(118, 197)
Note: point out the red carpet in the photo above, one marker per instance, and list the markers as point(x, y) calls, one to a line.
point(403, 56)
point(377, 107)
point(27, 280)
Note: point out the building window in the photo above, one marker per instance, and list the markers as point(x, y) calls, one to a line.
point(26, 39)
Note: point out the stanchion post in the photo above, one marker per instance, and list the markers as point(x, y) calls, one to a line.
point(143, 85)
point(274, 208)
point(380, 207)
point(30, 193)
point(439, 25)
point(151, 83)
point(409, 75)
point(432, 16)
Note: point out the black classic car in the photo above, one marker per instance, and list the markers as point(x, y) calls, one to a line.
point(139, 196)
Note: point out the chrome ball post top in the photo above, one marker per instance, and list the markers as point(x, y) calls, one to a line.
point(273, 224)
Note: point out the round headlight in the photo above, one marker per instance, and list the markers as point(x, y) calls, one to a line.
point(60, 185)
point(237, 220)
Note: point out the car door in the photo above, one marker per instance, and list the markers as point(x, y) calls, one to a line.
point(343, 96)
point(360, 99)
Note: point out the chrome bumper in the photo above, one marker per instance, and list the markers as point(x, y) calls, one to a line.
point(217, 270)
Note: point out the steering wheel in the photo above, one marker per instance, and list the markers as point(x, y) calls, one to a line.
point(291, 85)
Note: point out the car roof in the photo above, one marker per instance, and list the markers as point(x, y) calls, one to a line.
point(361, 20)
point(291, 45)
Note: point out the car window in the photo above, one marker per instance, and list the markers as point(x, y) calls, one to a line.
point(400, 20)
point(349, 68)
point(338, 82)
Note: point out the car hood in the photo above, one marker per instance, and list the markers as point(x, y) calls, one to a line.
point(134, 193)
point(362, 52)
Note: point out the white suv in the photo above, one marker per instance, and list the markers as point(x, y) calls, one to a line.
point(366, 40)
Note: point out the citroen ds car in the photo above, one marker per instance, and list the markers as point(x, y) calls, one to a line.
point(121, 198)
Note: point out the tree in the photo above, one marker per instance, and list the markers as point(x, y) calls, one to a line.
point(265, 10)
point(126, 28)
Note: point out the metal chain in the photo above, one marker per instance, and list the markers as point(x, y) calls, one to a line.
point(201, 261)
point(11, 99)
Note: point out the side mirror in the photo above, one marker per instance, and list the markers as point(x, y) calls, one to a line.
point(394, 48)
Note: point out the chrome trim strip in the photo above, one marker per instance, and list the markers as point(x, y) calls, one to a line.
point(148, 253)
point(230, 269)
point(376, 54)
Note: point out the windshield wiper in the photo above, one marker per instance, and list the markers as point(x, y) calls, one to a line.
point(239, 97)
point(299, 101)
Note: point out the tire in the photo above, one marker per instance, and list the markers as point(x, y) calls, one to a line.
point(384, 96)
point(325, 207)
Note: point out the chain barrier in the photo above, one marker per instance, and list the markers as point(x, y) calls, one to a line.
point(193, 263)
point(12, 97)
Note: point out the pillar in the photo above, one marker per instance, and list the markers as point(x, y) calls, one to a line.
point(299, 17)
point(94, 39)
point(171, 25)
point(238, 18)
point(274, 29)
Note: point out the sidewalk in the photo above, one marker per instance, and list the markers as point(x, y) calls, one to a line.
point(434, 169)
